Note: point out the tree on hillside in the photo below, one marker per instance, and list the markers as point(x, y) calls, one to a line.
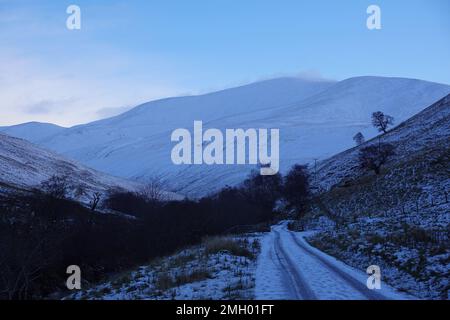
point(95, 199)
point(154, 190)
point(375, 156)
point(56, 187)
point(382, 121)
point(359, 138)
point(296, 188)
point(263, 190)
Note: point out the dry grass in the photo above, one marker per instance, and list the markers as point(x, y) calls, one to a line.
point(215, 245)
point(193, 276)
point(165, 281)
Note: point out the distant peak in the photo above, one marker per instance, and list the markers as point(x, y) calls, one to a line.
point(37, 123)
point(385, 78)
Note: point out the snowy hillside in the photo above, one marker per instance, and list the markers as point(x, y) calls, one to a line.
point(429, 128)
point(32, 131)
point(316, 120)
point(399, 219)
point(24, 166)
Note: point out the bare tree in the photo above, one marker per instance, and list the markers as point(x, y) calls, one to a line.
point(153, 190)
point(381, 121)
point(96, 196)
point(375, 156)
point(359, 138)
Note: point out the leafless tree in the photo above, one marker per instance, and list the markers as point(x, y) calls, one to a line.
point(95, 199)
point(154, 190)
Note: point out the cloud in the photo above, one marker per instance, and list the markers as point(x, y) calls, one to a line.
point(46, 106)
point(39, 107)
point(50, 74)
point(74, 94)
point(311, 75)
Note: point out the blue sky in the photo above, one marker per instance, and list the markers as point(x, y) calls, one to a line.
point(128, 52)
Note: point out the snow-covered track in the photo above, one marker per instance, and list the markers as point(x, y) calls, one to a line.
point(290, 269)
point(294, 279)
point(356, 284)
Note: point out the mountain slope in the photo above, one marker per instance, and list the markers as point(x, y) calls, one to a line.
point(316, 120)
point(32, 131)
point(428, 130)
point(398, 220)
point(24, 166)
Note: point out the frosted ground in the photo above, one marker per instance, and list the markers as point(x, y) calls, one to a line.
point(192, 274)
point(399, 220)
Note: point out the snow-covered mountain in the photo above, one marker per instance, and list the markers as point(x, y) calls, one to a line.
point(32, 131)
point(316, 120)
point(24, 166)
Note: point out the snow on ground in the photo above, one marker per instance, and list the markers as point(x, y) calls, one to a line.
point(197, 273)
point(427, 129)
point(270, 283)
point(289, 268)
point(399, 219)
point(412, 256)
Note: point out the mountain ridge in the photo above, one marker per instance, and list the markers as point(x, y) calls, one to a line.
point(24, 166)
point(316, 120)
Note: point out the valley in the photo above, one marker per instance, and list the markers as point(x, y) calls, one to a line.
point(396, 217)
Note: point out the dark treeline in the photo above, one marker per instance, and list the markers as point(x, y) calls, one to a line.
point(43, 232)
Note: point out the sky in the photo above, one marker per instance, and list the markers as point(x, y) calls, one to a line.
point(130, 52)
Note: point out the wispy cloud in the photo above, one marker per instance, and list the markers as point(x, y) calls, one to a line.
point(41, 107)
point(33, 92)
point(50, 74)
point(132, 52)
point(46, 107)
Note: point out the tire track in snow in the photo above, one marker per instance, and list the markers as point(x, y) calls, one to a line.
point(354, 283)
point(298, 284)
